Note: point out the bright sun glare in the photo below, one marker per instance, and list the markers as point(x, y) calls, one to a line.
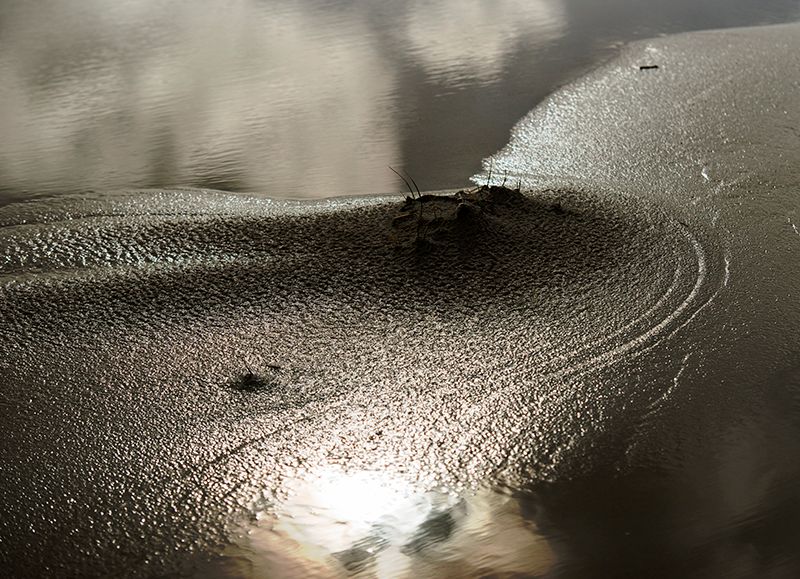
point(334, 520)
point(336, 509)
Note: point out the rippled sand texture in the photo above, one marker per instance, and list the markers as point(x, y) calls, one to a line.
point(594, 378)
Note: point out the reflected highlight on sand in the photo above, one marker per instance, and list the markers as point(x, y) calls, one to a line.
point(372, 524)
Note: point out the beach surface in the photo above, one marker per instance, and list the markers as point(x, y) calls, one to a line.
point(591, 370)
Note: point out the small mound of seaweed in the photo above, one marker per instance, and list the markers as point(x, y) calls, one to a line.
point(431, 221)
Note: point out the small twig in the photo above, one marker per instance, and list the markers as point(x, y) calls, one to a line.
point(415, 184)
point(410, 190)
point(491, 167)
point(419, 222)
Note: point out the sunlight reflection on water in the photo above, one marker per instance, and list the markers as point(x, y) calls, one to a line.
point(373, 524)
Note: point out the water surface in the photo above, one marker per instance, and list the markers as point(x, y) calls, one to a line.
point(297, 99)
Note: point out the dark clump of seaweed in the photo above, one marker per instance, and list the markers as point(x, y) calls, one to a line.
point(252, 381)
point(428, 220)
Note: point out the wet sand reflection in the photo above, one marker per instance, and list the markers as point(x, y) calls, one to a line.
point(369, 524)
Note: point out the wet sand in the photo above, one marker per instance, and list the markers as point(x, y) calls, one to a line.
point(596, 376)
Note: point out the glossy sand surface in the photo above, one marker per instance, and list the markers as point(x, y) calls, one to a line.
point(597, 377)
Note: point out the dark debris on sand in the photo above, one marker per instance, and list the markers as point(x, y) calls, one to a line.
point(464, 217)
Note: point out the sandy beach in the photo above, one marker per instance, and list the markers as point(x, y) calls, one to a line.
point(595, 363)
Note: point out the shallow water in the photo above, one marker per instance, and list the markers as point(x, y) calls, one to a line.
point(299, 99)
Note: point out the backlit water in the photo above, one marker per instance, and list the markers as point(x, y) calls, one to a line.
point(307, 98)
